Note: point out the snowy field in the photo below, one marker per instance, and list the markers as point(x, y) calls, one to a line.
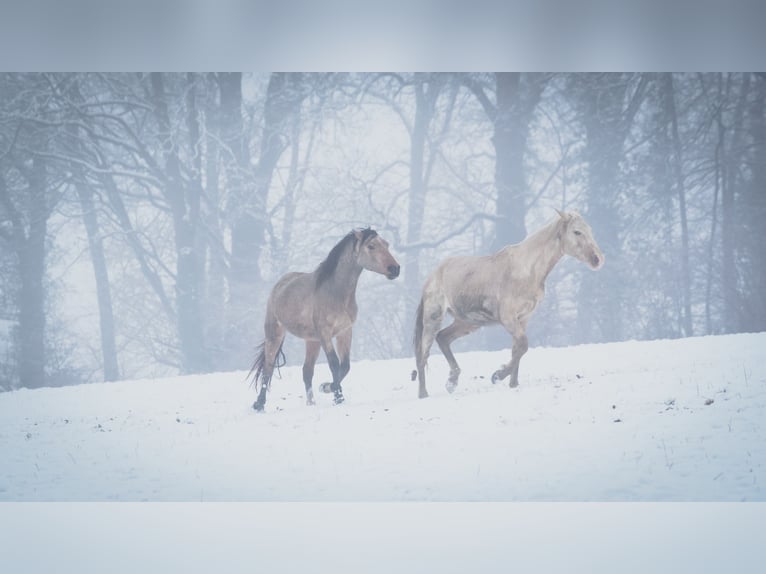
point(679, 420)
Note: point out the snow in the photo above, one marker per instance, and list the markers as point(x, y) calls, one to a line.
point(670, 420)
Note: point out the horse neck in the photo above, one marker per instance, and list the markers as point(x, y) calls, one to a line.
point(542, 250)
point(345, 278)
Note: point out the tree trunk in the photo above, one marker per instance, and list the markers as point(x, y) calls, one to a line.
point(184, 205)
point(215, 276)
point(718, 183)
point(31, 253)
point(131, 236)
point(670, 106)
point(426, 94)
point(248, 232)
point(510, 136)
point(85, 194)
point(607, 123)
point(283, 99)
point(517, 98)
point(755, 215)
point(237, 341)
point(293, 185)
point(729, 224)
point(103, 290)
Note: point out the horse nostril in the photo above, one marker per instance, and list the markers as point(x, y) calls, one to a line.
point(393, 270)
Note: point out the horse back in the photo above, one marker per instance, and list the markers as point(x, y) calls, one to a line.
point(291, 285)
point(468, 274)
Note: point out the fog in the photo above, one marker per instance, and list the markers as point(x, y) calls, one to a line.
point(144, 217)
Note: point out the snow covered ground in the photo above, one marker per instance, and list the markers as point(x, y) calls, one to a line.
point(675, 420)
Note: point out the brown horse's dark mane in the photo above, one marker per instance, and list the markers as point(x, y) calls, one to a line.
point(327, 267)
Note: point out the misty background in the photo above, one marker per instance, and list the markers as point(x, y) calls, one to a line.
point(145, 217)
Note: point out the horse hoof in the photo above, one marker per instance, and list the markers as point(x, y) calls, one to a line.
point(497, 376)
point(258, 407)
point(423, 395)
point(325, 387)
point(513, 384)
point(451, 387)
point(338, 399)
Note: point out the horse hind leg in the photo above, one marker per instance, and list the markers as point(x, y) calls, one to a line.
point(428, 322)
point(445, 338)
point(264, 363)
point(312, 352)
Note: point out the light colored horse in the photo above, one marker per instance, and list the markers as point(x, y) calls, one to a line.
point(501, 288)
point(319, 307)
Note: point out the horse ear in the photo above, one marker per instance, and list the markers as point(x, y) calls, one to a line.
point(562, 215)
point(358, 239)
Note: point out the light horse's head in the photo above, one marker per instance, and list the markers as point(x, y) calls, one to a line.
point(372, 253)
point(577, 240)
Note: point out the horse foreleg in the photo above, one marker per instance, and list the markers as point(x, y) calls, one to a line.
point(445, 338)
point(312, 352)
point(343, 341)
point(520, 346)
point(335, 368)
point(343, 348)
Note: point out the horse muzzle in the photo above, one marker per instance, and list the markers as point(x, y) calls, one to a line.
point(392, 272)
point(596, 260)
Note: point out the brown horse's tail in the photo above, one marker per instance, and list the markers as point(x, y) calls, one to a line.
point(256, 371)
point(417, 340)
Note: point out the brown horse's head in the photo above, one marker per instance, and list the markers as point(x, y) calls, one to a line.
point(578, 241)
point(372, 253)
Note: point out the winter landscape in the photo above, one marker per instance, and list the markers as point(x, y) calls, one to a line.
point(666, 420)
point(146, 217)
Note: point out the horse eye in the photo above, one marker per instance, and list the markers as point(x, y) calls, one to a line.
point(577, 232)
point(371, 247)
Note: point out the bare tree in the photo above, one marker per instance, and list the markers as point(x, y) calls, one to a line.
point(754, 212)
point(284, 96)
point(27, 198)
point(670, 107)
point(608, 104)
point(733, 184)
point(516, 97)
point(195, 190)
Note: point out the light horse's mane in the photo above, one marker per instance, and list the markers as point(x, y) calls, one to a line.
point(327, 268)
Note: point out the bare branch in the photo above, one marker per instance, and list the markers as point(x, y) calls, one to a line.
point(459, 231)
point(489, 108)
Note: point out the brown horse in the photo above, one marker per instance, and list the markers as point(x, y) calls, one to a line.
point(318, 307)
point(502, 288)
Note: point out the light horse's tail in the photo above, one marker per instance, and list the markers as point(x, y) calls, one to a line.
point(417, 340)
point(256, 371)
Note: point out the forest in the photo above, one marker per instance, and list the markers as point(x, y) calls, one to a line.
point(144, 217)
